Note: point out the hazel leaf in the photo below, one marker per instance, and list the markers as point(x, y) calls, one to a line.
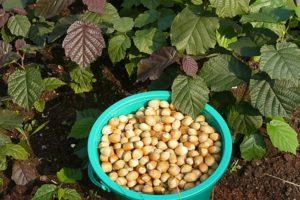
point(95, 5)
point(84, 43)
point(153, 66)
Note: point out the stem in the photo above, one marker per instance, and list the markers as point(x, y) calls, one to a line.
point(54, 182)
point(287, 28)
point(24, 134)
point(285, 181)
point(22, 60)
point(6, 98)
point(207, 56)
point(213, 194)
point(237, 57)
point(245, 92)
point(19, 65)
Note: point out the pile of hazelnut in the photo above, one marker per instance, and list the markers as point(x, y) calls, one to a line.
point(159, 150)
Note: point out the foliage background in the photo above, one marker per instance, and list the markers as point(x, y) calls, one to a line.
point(240, 56)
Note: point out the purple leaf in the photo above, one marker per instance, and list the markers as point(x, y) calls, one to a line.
point(189, 66)
point(84, 43)
point(4, 48)
point(23, 172)
point(20, 11)
point(20, 43)
point(95, 5)
point(153, 66)
point(3, 17)
point(6, 54)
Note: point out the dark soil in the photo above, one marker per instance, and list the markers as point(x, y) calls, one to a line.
point(277, 176)
point(257, 179)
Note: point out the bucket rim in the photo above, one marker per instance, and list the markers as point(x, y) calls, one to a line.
point(208, 183)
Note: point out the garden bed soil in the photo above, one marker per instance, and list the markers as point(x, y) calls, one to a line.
point(53, 150)
point(261, 179)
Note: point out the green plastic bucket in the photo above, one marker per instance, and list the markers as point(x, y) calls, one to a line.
point(132, 104)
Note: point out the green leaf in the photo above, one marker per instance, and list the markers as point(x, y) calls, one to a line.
point(10, 120)
point(262, 36)
point(117, 47)
point(277, 28)
point(297, 12)
point(258, 4)
point(130, 68)
point(147, 17)
point(151, 4)
point(92, 17)
point(166, 19)
point(38, 33)
point(193, 33)
point(281, 61)
point(3, 163)
point(31, 49)
point(170, 3)
point(130, 3)
point(189, 94)
point(4, 139)
point(197, 2)
point(14, 150)
point(61, 27)
point(87, 113)
point(19, 25)
point(224, 72)
point(45, 192)
point(253, 147)
point(10, 4)
point(123, 24)
point(39, 105)
point(230, 8)
point(6, 35)
point(270, 15)
point(149, 40)
point(83, 80)
point(283, 136)
point(81, 128)
point(273, 97)
point(244, 46)
point(243, 118)
point(68, 194)
point(110, 13)
point(25, 86)
point(69, 175)
point(225, 41)
point(52, 83)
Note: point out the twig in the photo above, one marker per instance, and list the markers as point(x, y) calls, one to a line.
point(294, 184)
point(6, 98)
point(14, 62)
point(54, 182)
point(206, 56)
point(22, 60)
point(213, 194)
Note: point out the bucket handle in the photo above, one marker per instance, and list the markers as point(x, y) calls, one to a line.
point(95, 180)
